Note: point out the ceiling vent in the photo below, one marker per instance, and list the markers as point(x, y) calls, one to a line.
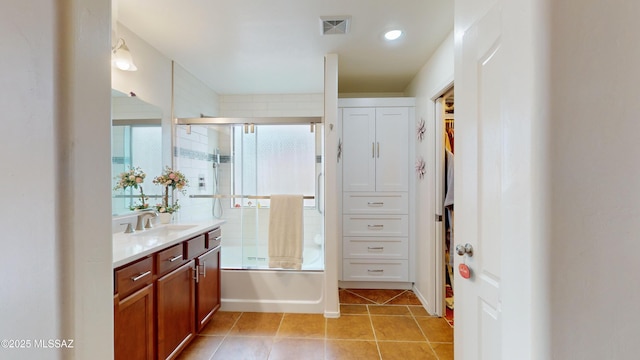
point(332, 25)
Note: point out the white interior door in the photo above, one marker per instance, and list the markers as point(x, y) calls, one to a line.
point(478, 183)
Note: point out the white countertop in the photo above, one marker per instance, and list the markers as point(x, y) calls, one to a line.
point(130, 247)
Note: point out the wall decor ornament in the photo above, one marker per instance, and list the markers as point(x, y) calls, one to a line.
point(421, 129)
point(420, 167)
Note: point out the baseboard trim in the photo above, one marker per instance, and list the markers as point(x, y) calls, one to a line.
point(387, 285)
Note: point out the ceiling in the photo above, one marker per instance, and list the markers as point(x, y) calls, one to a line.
point(277, 46)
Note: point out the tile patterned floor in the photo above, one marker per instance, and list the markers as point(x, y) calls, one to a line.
point(374, 324)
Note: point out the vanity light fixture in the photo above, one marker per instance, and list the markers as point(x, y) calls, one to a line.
point(392, 34)
point(121, 57)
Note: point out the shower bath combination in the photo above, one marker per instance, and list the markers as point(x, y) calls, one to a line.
point(237, 164)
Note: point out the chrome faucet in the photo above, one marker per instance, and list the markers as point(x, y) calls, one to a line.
point(129, 229)
point(145, 215)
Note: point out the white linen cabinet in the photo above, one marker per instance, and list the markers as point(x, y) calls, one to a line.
point(376, 158)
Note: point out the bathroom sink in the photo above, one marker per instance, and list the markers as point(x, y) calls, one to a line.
point(177, 227)
point(165, 230)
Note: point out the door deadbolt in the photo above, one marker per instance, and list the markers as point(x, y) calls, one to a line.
point(464, 249)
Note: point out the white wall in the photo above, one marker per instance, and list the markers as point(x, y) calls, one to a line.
point(594, 201)
point(272, 105)
point(31, 304)
point(434, 77)
point(192, 97)
point(56, 277)
point(371, 95)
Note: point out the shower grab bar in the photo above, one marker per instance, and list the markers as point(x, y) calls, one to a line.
point(306, 197)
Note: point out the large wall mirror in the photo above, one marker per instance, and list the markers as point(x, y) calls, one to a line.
point(136, 141)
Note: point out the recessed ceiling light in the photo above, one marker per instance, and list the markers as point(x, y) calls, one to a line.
point(392, 34)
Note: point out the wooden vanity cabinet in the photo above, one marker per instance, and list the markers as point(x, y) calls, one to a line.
point(133, 325)
point(175, 301)
point(134, 311)
point(205, 250)
point(163, 300)
point(175, 298)
point(207, 286)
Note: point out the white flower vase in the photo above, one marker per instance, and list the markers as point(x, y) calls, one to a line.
point(165, 218)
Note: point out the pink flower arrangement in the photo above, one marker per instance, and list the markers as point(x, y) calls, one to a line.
point(173, 179)
point(133, 178)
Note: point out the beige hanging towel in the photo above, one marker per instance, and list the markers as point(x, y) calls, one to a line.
point(285, 232)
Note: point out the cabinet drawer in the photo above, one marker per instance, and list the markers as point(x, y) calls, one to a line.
point(214, 238)
point(375, 270)
point(133, 277)
point(195, 247)
point(169, 259)
point(375, 225)
point(375, 203)
point(372, 248)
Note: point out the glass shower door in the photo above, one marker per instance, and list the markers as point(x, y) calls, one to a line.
point(271, 159)
point(238, 168)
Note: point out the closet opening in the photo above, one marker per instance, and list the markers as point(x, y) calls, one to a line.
point(445, 115)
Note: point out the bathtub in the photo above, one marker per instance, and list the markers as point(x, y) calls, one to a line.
point(261, 289)
point(232, 258)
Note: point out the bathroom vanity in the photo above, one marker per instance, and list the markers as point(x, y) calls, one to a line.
point(166, 287)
